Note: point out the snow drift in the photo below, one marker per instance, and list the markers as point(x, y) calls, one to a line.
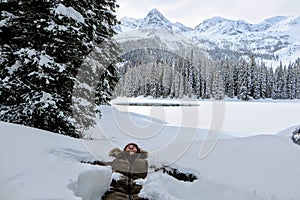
point(37, 164)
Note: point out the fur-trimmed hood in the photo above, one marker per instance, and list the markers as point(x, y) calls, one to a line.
point(118, 153)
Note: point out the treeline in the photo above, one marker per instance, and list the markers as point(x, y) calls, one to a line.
point(158, 73)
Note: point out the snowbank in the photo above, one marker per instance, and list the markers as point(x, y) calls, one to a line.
point(37, 164)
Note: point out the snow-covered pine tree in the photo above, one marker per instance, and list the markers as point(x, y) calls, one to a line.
point(190, 85)
point(129, 83)
point(263, 83)
point(181, 86)
point(270, 82)
point(217, 85)
point(256, 82)
point(291, 83)
point(198, 83)
point(285, 91)
point(207, 83)
point(297, 75)
point(228, 71)
point(173, 80)
point(253, 76)
point(160, 74)
point(176, 91)
point(43, 46)
point(166, 80)
point(153, 84)
point(278, 89)
point(244, 79)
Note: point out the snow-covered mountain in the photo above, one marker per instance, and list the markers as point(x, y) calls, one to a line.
point(273, 39)
point(157, 32)
point(154, 20)
point(218, 25)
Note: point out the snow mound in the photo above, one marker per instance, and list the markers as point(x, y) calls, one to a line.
point(200, 189)
point(90, 185)
point(43, 165)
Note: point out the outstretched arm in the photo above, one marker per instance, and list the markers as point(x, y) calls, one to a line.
point(176, 173)
point(97, 162)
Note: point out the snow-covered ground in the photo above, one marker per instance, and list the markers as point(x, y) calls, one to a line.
point(37, 164)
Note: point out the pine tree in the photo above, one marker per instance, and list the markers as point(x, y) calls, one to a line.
point(256, 82)
point(285, 94)
point(190, 80)
point(270, 82)
point(297, 75)
point(291, 83)
point(264, 81)
point(278, 90)
point(198, 83)
point(47, 78)
point(244, 79)
point(154, 83)
point(228, 78)
point(217, 85)
point(181, 85)
point(173, 80)
point(166, 80)
point(207, 86)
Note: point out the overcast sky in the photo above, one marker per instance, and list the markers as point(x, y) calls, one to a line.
point(193, 12)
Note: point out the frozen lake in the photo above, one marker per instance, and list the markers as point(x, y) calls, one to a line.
point(232, 117)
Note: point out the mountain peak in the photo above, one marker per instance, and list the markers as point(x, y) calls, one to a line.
point(154, 11)
point(274, 20)
point(155, 14)
point(153, 20)
point(219, 25)
point(156, 19)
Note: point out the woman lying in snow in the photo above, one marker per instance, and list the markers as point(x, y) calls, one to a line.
point(131, 164)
